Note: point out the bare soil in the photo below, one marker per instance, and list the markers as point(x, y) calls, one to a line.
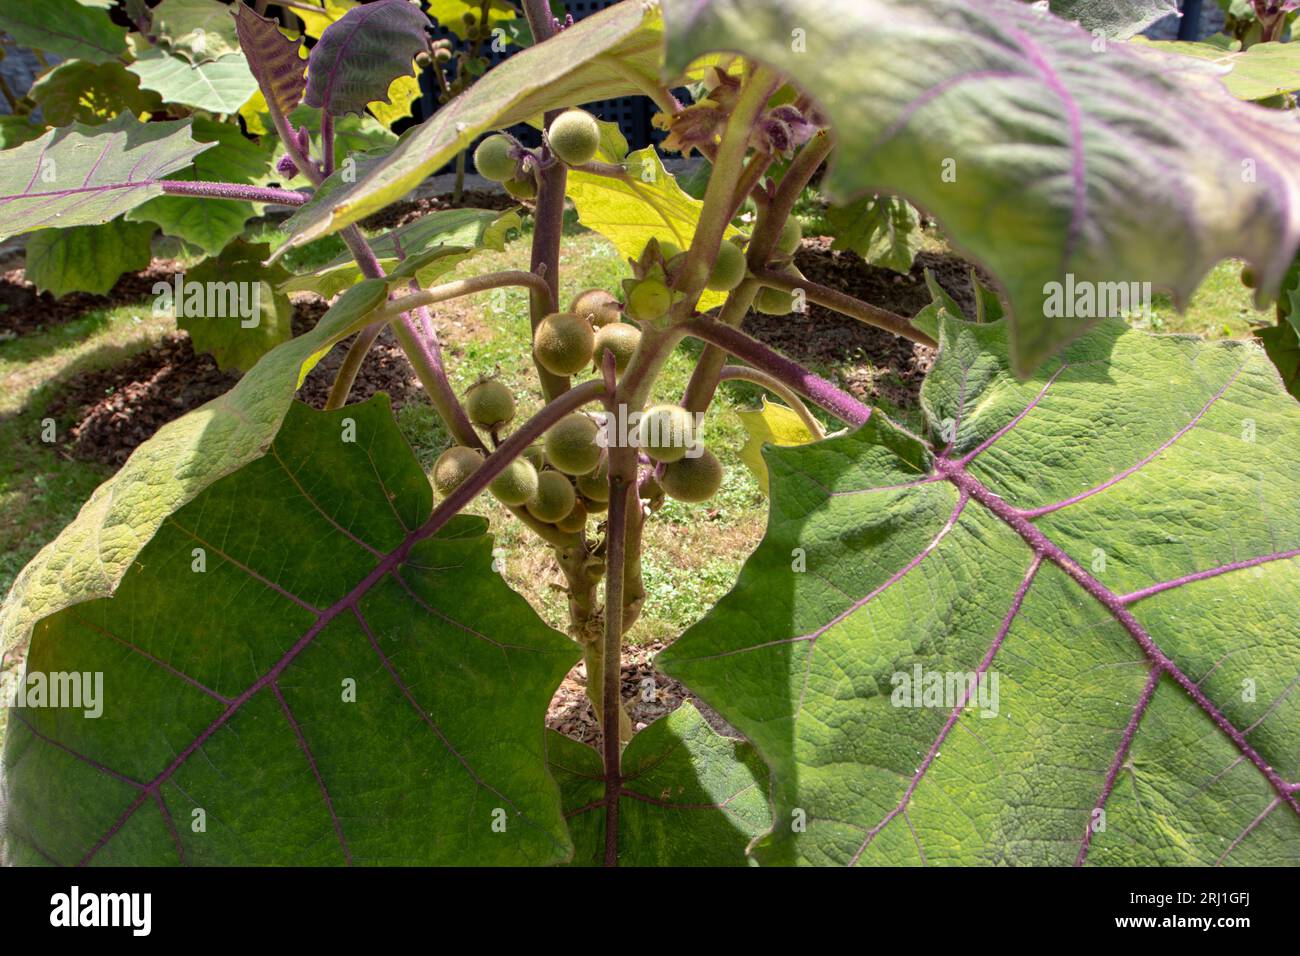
point(24, 311)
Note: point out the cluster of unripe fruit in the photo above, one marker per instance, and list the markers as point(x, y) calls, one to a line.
point(565, 479)
point(573, 138)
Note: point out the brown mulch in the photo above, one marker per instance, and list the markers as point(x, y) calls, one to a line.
point(399, 214)
point(874, 364)
point(23, 310)
point(111, 411)
point(571, 712)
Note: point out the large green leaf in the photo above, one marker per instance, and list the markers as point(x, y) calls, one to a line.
point(222, 85)
point(92, 554)
point(1258, 73)
point(86, 258)
point(238, 316)
point(1114, 542)
point(689, 797)
point(1041, 157)
point(433, 245)
point(65, 27)
point(83, 175)
point(328, 686)
point(770, 423)
point(884, 230)
point(199, 30)
point(83, 92)
point(592, 60)
point(212, 223)
point(357, 58)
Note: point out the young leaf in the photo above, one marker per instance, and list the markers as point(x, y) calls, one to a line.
point(689, 796)
point(237, 316)
point(293, 675)
point(222, 85)
point(82, 175)
point(884, 230)
point(327, 12)
point(1025, 644)
point(576, 66)
point(273, 59)
point(1144, 168)
point(357, 58)
point(86, 258)
point(64, 27)
point(83, 92)
point(185, 456)
point(199, 30)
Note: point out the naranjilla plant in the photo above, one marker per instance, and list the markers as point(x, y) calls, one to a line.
point(1054, 624)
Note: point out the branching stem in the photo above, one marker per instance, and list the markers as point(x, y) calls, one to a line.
point(776, 386)
point(845, 304)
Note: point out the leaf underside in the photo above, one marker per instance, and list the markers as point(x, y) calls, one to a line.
point(1042, 158)
point(1115, 540)
point(273, 59)
point(226, 690)
point(358, 58)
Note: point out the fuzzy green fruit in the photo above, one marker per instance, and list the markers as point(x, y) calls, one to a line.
point(453, 466)
point(668, 249)
point(649, 300)
point(665, 432)
point(554, 499)
point(595, 485)
point(774, 301)
point(791, 235)
point(595, 507)
point(489, 404)
point(619, 338)
point(535, 456)
point(574, 137)
point(728, 269)
point(571, 444)
point(516, 485)
point(693, 479)
point(564, 343)
point(492, 158)
point(596, 306)
point(575, 520)
point(522, 188)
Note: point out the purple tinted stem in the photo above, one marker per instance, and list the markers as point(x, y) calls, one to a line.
point(821, 392)
point(280, 197)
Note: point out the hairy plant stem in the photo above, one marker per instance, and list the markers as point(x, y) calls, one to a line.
point(279, 197)
point(327, 143)
point(822, 393)
point(775, 385)
point(767, 229)
point(622, 495)
point(845, 304)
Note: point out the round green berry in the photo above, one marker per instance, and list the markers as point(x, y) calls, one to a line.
point(516, 485)
point(571, 444)
point(621, 339)
point(693, 479)
point(665, 432)
point(492, 158)
point(554, 499)
point(574, 137)
point(595, 484)
point(774, 301)
point(575, 520)
point(596, 306)
point(524, 187)
point(728, 268)
point(489, 404)
point(563, 343)
point(453, 466)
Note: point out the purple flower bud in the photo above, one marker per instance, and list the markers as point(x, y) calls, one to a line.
point(286, 167)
